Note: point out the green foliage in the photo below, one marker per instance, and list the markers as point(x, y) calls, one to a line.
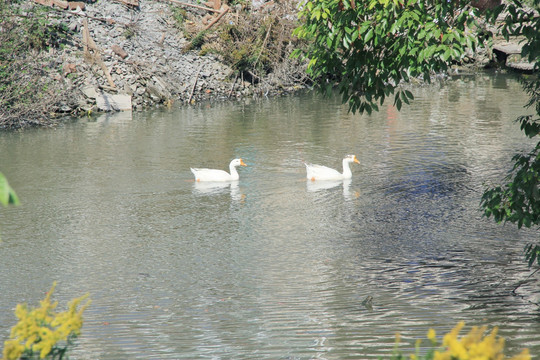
point(198, 40)
point(26, 33)
point(179, 16)
point(518, 201)
point(369, 47)
point(7, 194)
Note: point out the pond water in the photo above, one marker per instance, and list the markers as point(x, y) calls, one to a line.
point(273, 266)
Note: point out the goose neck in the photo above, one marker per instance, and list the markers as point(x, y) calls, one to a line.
point(234, 173)
point(347, 174)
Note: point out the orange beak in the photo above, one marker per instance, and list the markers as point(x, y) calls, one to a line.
point(242, 162)
point(356, 160)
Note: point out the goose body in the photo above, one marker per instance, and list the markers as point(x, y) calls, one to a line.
point(218, 175)
point(319, 172)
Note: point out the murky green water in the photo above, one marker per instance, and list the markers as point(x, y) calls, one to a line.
point(272, 267)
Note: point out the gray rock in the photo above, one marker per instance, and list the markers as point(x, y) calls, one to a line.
point(113, 102)
point(89, 91)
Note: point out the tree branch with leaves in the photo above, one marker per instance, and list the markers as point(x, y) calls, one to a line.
point(367, 49)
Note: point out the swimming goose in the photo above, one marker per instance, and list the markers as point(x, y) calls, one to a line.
point(319, 172)
point(218, 175)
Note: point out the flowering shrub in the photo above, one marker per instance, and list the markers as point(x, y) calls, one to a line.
point(472, 346)
point(42, 332)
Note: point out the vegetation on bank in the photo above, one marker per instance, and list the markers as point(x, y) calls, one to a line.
point(28, 94)
point(367, 49)
point(256, 44)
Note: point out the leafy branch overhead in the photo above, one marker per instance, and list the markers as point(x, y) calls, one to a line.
point(518, 201)
point(368, 48)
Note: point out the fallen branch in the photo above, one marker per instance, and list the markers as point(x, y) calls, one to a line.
point(225, 10)
point(263, 45)
point(194, 84)
point(232, 87)
point(134, 3)
point(61, 4)
point(105, 20)
point(88, 43)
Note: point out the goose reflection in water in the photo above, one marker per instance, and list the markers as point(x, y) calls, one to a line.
point(314, 186)
point(218, 187)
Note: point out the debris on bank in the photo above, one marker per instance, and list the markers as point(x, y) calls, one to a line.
point(131, 54)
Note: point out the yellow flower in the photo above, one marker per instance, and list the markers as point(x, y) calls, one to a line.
point(40, 329)
point(441, 356)
point(524, 355)
point(12, 350)
point(432, 336)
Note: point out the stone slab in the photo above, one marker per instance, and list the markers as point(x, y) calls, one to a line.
point(113, 102)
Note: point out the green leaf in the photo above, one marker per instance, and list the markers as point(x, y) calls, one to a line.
point(4, 191)
point(397, 101)
point(368, 36)
point(7, 194)
point(447, 54)
point(409, 94)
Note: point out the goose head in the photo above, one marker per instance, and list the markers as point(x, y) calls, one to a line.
point(237, 162)
point(351, 158)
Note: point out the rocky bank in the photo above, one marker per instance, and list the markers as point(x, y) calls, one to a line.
point(119, 57)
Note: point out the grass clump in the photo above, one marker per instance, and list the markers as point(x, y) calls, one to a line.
point(26, 34)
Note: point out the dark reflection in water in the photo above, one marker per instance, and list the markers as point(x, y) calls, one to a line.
point(272, 266)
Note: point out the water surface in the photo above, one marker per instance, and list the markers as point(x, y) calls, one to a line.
point(272, 266)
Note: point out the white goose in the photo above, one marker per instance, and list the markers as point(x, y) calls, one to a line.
point(319, 172)
point(218, 175)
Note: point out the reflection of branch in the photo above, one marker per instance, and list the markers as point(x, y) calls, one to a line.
point(523, 282)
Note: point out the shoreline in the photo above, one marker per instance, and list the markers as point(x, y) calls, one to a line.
point(117, 56)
